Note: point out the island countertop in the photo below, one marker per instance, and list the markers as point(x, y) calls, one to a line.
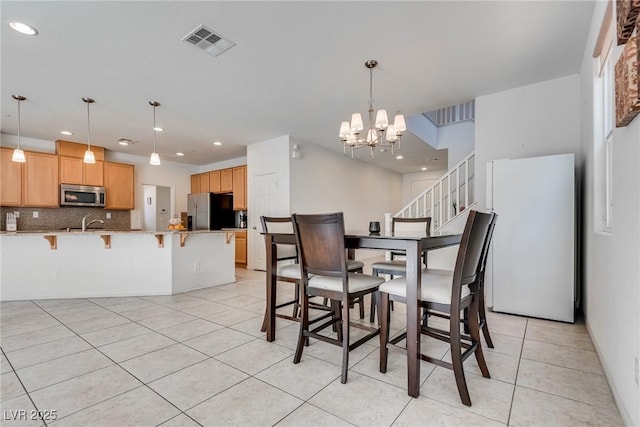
point(94, 231)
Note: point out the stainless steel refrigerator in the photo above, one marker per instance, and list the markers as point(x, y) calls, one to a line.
point(532, 267)
point(208, 211)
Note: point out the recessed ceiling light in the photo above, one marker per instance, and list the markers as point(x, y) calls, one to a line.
point(217, 143)
point(423, 168)
point(158, 129)
point(23, 28)
point(400, 157)
point(180, 154)
point(66, 132)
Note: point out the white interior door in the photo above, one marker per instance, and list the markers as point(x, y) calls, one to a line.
point(265, 197)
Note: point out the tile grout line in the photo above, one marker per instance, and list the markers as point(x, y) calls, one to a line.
point(515, 380)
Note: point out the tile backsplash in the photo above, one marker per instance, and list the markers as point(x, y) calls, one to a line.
point(50, 219)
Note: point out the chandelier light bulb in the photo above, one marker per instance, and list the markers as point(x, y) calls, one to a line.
point(392, 135)
point(356, 123)
point(345, 130)
point(399, 124)
point(381, 120)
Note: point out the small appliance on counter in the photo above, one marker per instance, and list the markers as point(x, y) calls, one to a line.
point(242, 220)
point(12, 222)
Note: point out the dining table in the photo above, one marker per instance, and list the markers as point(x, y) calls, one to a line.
point(414, 246)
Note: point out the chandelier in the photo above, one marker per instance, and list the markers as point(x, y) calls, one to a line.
point(379, 134)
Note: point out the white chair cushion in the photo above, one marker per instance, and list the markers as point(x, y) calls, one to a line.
point(436, 286)
point(357, 282)
point(290, 271)
point(399, 266)
point(352, 264)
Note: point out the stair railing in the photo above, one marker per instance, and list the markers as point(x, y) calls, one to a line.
point(451, 194)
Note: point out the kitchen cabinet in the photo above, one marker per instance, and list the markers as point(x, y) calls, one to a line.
point(240, 188)
point(204, 182)
point(74, 170)
point(74, 149)
point(214, 181)
point(195, 184)
point(10, 179)
point(241, 247)
point(119, 186)
point(40, 180)
point(226, 180)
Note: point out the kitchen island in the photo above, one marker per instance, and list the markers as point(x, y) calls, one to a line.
point(60, 264)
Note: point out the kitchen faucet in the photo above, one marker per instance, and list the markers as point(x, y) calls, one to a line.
point(84, 222)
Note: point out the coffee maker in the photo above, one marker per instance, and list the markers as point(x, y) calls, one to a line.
point(242, 220)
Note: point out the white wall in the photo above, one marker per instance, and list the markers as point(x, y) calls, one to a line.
point(612, 267)
point(326, 181)
point(266, 157)
point(458, 139)
point(415, 183)
point(534, 120)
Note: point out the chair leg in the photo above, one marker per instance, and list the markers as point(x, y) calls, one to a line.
point(384, 323)
point(296, 305)
point(304, 327)
point(345, 341)
point(456, 357)
point(474, 331)
point(263, 328)
point(483, 317)
point(372, 309)
point(361, 304)
point(337, 327)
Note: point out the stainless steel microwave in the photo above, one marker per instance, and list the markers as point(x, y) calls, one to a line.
point(82, 195)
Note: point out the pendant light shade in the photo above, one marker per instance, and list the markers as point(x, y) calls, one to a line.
point(154, 160)
point(18, 154)
point(88, 155)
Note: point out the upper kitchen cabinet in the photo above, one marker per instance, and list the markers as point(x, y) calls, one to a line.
point(195, 183)
point(119, 186)
point(33, 183)
point(240, 188)
point(214, 181)
point(40, 182)
point(204, 182)
point(226, 180)
point(10, 179)
point(73, 170)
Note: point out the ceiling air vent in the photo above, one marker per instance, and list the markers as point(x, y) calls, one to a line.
point(212, 43)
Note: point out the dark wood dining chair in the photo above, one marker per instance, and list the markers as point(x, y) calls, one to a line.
point(288, 269)
point(398, 267)
point(324, 272)
point(451, 294)
point(482, 315)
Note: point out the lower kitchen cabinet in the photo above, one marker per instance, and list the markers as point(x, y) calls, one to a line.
point(241, 247)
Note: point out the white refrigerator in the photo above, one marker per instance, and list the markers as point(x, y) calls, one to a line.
point(531, 269)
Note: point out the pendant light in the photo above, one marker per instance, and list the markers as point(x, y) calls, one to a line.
point(155, 158)
point(88, 155)
point(18, 154)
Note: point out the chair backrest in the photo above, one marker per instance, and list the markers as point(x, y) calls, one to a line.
point(321, 244)
point(485, 250)
point(411, 226)
point(471, 250)
point(272, 224)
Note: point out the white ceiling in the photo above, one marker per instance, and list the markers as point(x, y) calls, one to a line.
point(297, 68)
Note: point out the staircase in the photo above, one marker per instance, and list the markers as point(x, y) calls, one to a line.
point(447, 199)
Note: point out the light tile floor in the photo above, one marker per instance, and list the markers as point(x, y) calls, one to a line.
point(199, 358)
